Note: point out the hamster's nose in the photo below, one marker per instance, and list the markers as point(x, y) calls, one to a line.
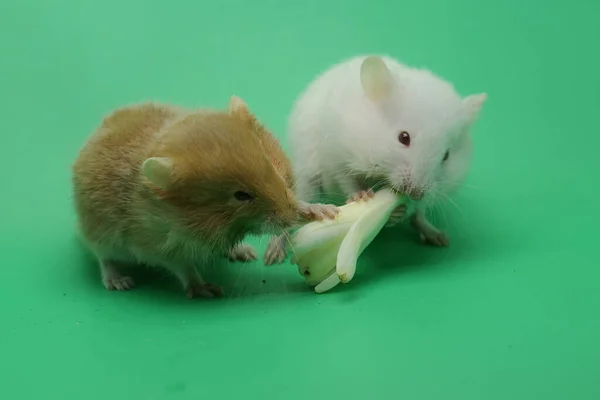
point(412, 192)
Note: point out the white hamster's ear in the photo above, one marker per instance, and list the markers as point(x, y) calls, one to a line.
point(159, 171)
point(471, 106)
point(376, 79)
point(237, 106)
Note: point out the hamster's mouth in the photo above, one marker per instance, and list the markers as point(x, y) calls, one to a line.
point(413, 194)
point(270, 228)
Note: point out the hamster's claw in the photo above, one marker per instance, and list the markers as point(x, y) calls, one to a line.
point(438, 238)
point(275, 253)
point(428, 233)
point(360, 196)
point(317, 212)
point(112, 278)
point(243, 253)
point(205, 290)
point(119, 283)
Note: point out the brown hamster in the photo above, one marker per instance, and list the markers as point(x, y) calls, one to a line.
point(174, 188)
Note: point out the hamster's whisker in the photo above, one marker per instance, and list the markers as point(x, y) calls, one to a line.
point(440, 211)
point(460, 184)
point(446, 213)
point(286, 236)
point(450, 200)
point(321, 143)
point(340, 194)
point(381, 183)
point(467, 185)
point(433, 208)
point(352, 172)
point(237, 280)
point(436, 208)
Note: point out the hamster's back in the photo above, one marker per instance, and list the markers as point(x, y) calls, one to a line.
point(319, 110)
point(105, 173)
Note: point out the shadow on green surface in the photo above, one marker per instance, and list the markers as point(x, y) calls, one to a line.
point(395, 251)
point(239, 280)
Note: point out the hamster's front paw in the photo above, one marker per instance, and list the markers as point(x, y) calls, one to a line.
point(243, 253)
point(275, 253)
point(360, 196)
point(203, 289)
point(317, 212)
point(397, 216)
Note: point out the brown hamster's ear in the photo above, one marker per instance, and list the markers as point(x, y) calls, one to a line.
point(471, 106)
point(375, 78)
point(159, 171)
point(237, 107)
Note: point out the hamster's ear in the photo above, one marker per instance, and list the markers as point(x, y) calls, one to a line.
point(159, 171)
point(376, 79)
point(237, 106)
point(471, 106)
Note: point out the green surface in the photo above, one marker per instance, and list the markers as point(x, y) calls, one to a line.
point(509, 311)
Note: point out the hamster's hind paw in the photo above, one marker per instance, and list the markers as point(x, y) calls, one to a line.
point(317, 212)
point(360, 196)
point(119, 283)
point(428, 233)
point(205, 290)
point(243, 253)
point(437, 238)
point(275, 253)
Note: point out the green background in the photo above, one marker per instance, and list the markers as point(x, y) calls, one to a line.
point(509, 311)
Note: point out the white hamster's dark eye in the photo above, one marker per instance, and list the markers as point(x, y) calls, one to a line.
point(404, 138)
point(243, 196)
point(446, 155)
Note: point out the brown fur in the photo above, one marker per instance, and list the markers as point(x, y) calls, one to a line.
point(123, 216)
point(271, 145)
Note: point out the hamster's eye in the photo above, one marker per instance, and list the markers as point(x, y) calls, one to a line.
point(446, 155)
point(243, 196)
point(404, 138)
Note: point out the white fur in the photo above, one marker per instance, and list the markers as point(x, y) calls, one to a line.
point(346, 126)
point(337, 131)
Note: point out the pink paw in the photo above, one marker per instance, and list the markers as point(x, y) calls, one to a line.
point(119, 283)
point(434, 238)
point(205, 290)
point(318, 212)
point(243, 253)
point(276, 252)
point(361, 196)
point(428, 233)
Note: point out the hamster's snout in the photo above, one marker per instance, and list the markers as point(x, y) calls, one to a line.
point(285, 218)
point(405, 182)
point(415, 193)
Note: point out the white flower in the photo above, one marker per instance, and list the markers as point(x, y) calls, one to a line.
point(326, 251)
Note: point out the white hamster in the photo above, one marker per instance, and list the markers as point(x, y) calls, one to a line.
point(371, 121)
